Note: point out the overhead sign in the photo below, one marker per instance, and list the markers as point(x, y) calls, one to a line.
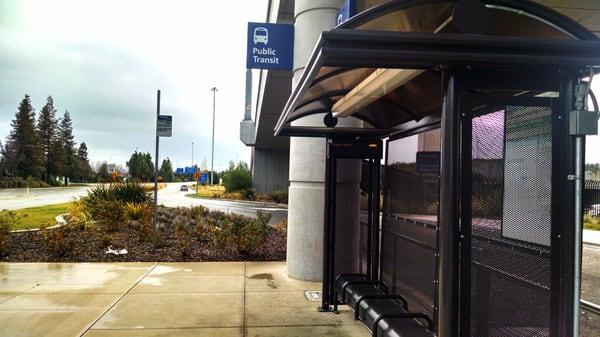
point(179, 170)
point(347, 10)
point(189, 170)
point(164, 126)
point(270, 46)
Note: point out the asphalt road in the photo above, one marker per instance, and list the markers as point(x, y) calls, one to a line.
point(22, 198)
point(172, 197)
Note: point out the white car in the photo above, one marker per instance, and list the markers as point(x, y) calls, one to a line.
point(261, 35)
point(595, 210)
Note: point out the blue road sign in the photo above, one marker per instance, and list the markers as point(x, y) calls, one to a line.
point(189, 170)
point(179, 170)
point(204, 178)
point(270, 46)
point(347, 10)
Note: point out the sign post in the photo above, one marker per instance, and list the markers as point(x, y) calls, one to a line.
point(163, 129)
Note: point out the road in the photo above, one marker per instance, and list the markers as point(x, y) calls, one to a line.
point(590, 278)
point(169, 196)
point(172, 197)
point(22, 198)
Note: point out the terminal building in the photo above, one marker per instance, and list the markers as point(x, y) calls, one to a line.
point(433, 154)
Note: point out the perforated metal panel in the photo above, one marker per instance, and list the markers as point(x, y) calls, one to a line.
point(511, 222)
point(409, 238)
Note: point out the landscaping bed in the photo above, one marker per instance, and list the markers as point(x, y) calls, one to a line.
point(119, 218)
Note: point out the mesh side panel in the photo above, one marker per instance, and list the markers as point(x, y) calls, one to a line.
point(511, 194)
point(409, 238)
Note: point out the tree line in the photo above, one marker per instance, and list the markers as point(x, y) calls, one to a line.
point(43, 148)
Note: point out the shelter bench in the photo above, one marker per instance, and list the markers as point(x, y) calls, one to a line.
point(386, 315)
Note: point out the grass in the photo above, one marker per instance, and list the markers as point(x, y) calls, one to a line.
point(35, 217)
point(591, 223)
point(206, 191)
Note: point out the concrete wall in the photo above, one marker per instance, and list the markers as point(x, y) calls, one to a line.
point(270, 170)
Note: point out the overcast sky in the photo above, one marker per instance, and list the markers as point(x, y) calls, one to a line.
point(104, 60)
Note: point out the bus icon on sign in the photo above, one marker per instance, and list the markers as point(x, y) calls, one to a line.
point(261, 35)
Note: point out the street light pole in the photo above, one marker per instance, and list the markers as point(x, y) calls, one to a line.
point(192, 154)
point(212, 152)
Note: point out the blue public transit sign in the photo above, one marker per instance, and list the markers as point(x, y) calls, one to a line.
point(179, 170)
point(270, 46)
point(347, 10)
point(204, 178)
point(189, 170)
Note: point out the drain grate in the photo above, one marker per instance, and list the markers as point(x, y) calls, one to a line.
point(313, 295)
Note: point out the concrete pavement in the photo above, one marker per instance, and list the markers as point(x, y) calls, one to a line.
point(232, 299)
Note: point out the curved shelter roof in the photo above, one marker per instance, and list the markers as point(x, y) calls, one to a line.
point(384, 66)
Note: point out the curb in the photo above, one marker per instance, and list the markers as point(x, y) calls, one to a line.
point(59, 219)
point(249, 202)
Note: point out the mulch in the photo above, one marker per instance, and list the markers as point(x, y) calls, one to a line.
point(90, 246)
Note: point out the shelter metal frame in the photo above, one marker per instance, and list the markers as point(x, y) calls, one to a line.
point(452, 55)
point(367, 148)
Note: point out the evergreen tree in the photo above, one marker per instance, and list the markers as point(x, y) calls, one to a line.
point(166, 170)
point(47, 133)
point(69, 156)
point(22, 152)
point(140, 166)
point(83, 170)
point(103, 175)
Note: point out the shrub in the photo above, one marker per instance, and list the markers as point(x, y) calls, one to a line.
point(106, 204)
point(141, 212)
point(248, 194)
point(8, 221)
point(244, 234)
point(184, 233)
point(109, 215)
point(280, 197)
point(79, 216)
point(282, 227)
point(131, 192)
point(58, 241)
point(237, 178)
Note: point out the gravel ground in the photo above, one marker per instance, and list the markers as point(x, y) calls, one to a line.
point(90, 245)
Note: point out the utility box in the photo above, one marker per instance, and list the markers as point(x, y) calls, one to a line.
point(583, 123)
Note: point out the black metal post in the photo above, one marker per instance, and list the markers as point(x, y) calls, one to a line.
point(449, 211)
point(376, 222)
point(370, 220)
point(563, 191)
point(466, 219)
point(332, 227)
point(325, 290)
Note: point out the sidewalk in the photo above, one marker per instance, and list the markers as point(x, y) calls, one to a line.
point(591, 237)
point(206, 299)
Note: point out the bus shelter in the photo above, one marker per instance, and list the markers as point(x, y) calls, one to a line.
point(478, 109)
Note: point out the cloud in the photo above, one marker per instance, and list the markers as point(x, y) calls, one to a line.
point(104, 61)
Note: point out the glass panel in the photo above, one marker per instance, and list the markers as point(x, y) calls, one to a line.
point(409, 240)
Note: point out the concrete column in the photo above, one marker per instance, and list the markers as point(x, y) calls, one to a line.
point(307, 160)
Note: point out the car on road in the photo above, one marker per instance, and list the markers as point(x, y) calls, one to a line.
point(183, 188)
point(595, 210)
